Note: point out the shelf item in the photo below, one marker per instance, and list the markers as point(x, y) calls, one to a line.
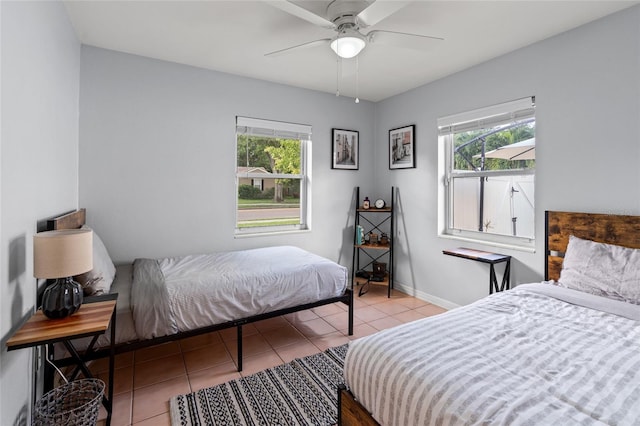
point(373, 244)
point(491, 259)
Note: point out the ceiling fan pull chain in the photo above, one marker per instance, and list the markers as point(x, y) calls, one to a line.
point(357, 79)
point(338, 63)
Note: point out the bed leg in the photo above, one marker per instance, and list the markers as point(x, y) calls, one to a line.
point(239, 330)
point(351, 313)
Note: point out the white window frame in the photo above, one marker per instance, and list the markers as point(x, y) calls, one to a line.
point(284, 130)
point(508, 112)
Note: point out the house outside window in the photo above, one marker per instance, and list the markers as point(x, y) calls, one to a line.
point(272, 176)
point(487, 169)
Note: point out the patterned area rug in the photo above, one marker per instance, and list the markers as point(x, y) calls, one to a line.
point(302, 392)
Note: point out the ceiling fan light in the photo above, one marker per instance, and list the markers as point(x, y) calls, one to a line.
point(347, 47)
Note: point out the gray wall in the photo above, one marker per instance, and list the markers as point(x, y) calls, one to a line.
point(587, 88)
point(39, 165)
point(157, 156)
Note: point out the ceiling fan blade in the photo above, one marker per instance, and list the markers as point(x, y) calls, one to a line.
point(301, 13)
point(379, 10)
point(306, 45)
point(406, 40)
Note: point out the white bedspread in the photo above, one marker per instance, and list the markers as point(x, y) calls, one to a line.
point(185, 293)
point(521, 357)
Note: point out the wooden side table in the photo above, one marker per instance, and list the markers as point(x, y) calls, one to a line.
point(491, 259)
point(92, 319)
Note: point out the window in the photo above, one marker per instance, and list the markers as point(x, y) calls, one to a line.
point(487, 165)
point(272, 178)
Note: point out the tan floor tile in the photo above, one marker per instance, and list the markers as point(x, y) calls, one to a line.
point(158, 370)
point(325, 310)
point(251, 345)
point(297, 350)
point(283, 336)
point(195, 342)
point(342, 306)
point(213, 376)
point(412, 302)
point(391, 307)
point(301, 316)
point(151, 401)
point(357, 303)
point(430, 310)
point(232, 333)
point(330, 340)
point(253, 364)
point(375, 293)
point(158, 351)
point(121, 414)
point(368, 314)
point(374, 299)
point(122, 380)
point(122, 409)
point(315, 328)
point(206, 357)
point(102, 364)
point(360, 330)
point(163, 419)
point(408, 316)
point(270, 324)
point(384, 323)
point(340, 321)
point(397, 295)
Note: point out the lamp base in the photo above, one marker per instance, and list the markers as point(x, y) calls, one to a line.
point(62, 298)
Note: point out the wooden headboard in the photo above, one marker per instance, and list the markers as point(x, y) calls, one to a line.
point(72, 220)
point(603, 228)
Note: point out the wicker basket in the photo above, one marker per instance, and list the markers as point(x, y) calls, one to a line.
point(75, 403)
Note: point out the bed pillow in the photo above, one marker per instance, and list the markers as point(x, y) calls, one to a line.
point(602, 269)
point(98, 280)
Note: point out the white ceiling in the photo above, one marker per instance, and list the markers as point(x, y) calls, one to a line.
point(233, 37)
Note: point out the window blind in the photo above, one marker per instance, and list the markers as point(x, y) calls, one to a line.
point(487, 117)
point(277, 129)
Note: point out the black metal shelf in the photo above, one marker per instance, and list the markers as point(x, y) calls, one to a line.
point(372, 253)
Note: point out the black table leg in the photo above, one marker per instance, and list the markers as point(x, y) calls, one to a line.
point(239, 348)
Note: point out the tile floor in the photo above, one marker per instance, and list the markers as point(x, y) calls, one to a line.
point(146, 379)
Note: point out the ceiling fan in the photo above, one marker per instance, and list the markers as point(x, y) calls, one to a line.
point(347, 18)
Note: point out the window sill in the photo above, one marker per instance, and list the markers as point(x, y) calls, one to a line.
point(270, 233)
point(527, 248)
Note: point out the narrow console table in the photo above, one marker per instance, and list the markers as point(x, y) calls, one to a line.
point(92, 319)
point(491, 259)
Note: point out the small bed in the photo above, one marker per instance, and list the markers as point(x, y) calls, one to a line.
point(162, 300)
point(565, 351)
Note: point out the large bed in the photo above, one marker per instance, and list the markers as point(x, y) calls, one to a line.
point(161, 300)
point(565, 351)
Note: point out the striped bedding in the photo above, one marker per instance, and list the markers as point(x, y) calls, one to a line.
point(520, 357)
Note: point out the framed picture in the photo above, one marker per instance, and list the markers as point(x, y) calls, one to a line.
point(344, 152)
point(402, 147)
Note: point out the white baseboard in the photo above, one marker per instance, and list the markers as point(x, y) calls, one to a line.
point(425, 296)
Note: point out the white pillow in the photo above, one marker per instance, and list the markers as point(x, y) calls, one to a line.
point(98, 280)
point(602, 269)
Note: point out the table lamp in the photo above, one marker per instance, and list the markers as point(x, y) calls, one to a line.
point(60, 255)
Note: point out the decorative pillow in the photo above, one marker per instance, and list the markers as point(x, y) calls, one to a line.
point(99, 279)
point(602, 269)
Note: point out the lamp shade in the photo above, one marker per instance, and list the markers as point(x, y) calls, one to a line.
point(348, 46)
point(62, 253)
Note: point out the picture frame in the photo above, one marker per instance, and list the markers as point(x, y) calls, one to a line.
point(402, 147)
point(345, 145)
